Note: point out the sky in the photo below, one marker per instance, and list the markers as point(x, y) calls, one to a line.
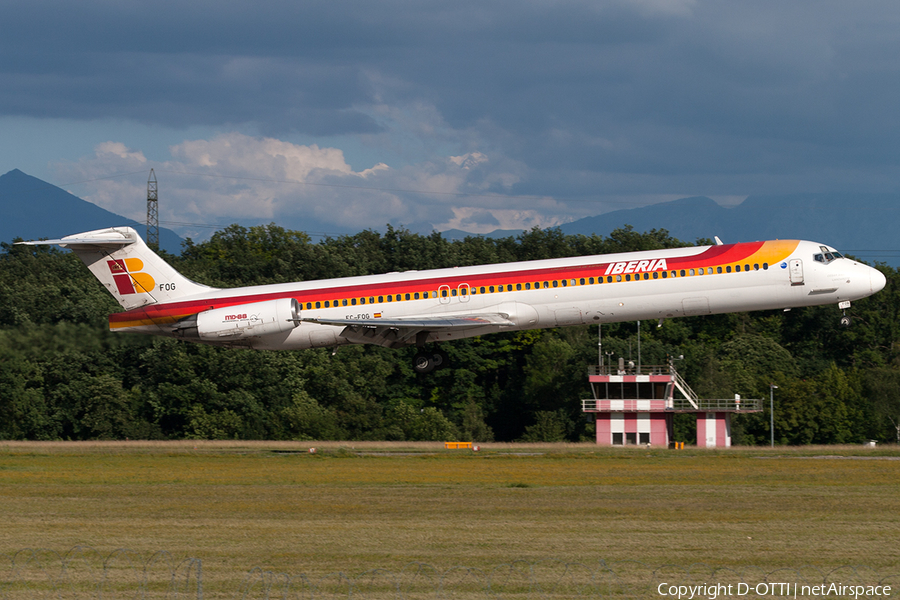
point(339, 116)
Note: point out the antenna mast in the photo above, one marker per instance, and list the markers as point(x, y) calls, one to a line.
point(152, 212)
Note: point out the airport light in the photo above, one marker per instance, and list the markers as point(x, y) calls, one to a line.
point(772, 388)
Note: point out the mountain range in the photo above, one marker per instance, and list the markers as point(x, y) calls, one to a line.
point(862, 225)
point(34, 209)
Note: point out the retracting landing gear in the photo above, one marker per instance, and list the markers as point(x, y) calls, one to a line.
point(845, 319)
point(427, 361)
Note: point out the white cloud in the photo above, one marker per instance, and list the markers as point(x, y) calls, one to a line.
point(121, 151)
point(239, 178)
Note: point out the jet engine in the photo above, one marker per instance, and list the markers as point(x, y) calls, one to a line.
point(242, 321)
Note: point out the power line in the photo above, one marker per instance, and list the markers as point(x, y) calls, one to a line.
point(152, 212)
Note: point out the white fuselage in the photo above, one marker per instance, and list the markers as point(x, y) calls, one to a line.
point(656, 284)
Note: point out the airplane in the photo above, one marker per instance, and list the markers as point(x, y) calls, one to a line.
point(425, 308)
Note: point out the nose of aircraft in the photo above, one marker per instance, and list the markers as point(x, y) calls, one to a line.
point(877, 280)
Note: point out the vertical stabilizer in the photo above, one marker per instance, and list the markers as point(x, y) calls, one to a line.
point(134, 274)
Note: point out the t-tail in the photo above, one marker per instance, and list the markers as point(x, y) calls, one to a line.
point(127, 267)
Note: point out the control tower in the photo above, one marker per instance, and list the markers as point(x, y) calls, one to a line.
point(636, 405)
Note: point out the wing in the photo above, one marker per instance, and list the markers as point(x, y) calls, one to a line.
point(403, 332)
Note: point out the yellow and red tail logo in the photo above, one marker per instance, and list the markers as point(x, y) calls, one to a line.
point(128, 277)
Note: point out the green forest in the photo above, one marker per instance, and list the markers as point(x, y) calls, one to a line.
point(64, 376)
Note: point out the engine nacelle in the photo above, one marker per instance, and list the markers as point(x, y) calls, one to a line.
point(246, 320)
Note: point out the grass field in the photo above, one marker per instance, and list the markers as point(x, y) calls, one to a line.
point(354, 507)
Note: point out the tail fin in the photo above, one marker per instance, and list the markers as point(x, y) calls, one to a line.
point(131, 271)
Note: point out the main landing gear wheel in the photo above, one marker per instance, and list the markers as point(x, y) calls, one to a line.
point(845, 321)
point(427, 361)
point(423, 363)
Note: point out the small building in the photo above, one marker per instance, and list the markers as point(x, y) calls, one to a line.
point(636, 405)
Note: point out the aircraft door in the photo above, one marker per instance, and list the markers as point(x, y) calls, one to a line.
point(463, 292)
point(796, 268)
point(444, 294)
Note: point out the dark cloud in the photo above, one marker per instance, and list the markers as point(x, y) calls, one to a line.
point(591, 97)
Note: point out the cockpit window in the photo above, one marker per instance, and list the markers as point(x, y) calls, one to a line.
point(826, 255)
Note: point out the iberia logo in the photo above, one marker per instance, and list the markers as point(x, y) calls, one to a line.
point(128, 277)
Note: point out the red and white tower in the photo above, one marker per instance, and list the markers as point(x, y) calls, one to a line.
point(636, 405)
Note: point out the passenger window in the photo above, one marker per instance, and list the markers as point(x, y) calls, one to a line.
point(463, 291)
point(518, 286)
point(746, 267)
point(353, 301)
point(618, 278)
point(318, 305)
point(628, 277)
point(491, 289)
point(407, 296)
point(344, 302)
point(416, 295)
point(380, 299)
point(546, 284)
point(326, 304)
point(691, 272)
point(655, 275)
point(453, 292)
point(718, 269)
point(555, 283)
point(728, 269)
point(591, 280)
point(609, 279)
point(581, 281)
point(682, 273)
point(665, 274)
point(765, 266)
point(481, 290)
point(527, 286)
point(756, 266)
point(737, 268)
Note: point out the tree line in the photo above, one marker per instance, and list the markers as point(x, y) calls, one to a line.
point(63, 375)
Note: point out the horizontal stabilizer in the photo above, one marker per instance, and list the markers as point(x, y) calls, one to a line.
point(107, 239)
point(66, 242)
